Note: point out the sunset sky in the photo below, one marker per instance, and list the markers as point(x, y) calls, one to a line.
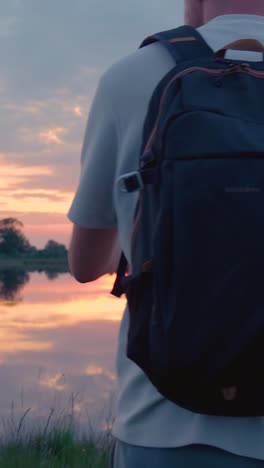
point(52, 55)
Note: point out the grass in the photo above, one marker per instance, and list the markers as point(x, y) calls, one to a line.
point(58, 450)
point(58, 443)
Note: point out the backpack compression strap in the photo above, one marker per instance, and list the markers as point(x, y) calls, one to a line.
point(184, 43)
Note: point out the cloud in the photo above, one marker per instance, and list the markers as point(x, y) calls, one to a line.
point(95, 370)
point(34, 125)
point(50, 66)
point(53, 108)
point(77, 40)
point(31, 194)
point(56, 381)
point(15, 175)
point(36, 204)
point(48, 195)
point(29, 108)
point(51, 135)
point(46, 136)
point(78, 111)
point(15, 341)
point(43, 170)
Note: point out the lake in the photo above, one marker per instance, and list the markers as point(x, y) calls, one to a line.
point(58, 341)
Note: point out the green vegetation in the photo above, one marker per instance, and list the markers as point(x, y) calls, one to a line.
point(58, 450)
point(12, 240)
point(16, 250)
point(54, 441)
point(18, 258)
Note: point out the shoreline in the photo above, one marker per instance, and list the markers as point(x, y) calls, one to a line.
point(29, 263)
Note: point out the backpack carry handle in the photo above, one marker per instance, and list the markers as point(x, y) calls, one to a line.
point(249, 45)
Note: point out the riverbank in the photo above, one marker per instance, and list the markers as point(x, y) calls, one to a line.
point(32, 264)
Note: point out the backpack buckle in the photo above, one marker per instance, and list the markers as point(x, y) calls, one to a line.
point(130, 182)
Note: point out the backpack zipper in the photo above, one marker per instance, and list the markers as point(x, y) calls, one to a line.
point(232, 68)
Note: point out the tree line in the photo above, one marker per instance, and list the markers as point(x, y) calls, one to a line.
point(13, 242)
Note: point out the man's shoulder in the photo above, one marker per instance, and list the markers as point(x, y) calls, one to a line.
point(134, 66)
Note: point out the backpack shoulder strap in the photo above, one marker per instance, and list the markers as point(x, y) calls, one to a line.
point(119, 286)
point(183, 43)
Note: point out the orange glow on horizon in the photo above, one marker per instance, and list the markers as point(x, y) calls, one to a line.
point(45, 209)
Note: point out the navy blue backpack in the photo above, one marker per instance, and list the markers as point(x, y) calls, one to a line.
point(196, 288)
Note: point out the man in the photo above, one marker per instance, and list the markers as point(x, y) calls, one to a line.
point(149, 430)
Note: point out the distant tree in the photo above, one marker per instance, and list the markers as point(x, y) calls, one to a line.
point(12, 239)
point(11, 222)
point(54, 249)
point(33, 251)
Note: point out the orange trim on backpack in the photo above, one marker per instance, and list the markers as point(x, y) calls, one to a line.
point(217, 72)
point(183, 39)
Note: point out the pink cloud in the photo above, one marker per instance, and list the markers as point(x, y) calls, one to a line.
point(52, 135)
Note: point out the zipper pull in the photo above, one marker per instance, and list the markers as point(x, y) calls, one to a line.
point(245, 66)
point(237, 64)
point(233, 67)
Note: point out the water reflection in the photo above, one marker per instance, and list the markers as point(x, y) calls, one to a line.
point(51, 274)
point(11, 283)
point(56, 344)
point(13, 280)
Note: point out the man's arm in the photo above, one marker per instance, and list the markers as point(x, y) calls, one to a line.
point(93, 253)
point(94, 247)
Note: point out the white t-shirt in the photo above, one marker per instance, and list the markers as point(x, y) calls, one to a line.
point(111, 148)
